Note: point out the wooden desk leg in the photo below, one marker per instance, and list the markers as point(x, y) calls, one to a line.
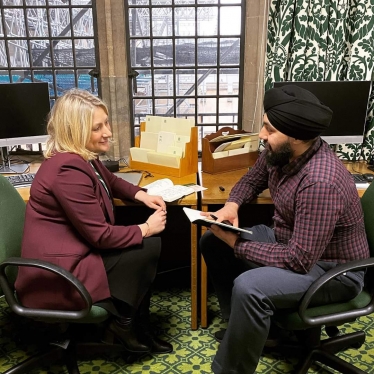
point(194, 267)
point(203, 286)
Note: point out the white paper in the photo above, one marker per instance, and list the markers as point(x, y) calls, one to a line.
point(149, 140)
point(165, 139)
point(139, 154)
point(153, 123)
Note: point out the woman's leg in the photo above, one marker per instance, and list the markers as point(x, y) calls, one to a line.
point(130, 275)
point(145, 330)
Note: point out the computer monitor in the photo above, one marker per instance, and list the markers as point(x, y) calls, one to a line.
point(24, 109)
point(349, 102)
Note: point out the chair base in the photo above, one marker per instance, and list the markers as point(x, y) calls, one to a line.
point(68, 356)
point(312, 349)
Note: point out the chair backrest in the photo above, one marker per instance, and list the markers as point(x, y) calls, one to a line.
point(12, 217)
point(367, 202)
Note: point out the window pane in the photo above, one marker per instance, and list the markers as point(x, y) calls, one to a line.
point(63, 54)
point(164, 106)
point(82, 25)
point(228, 110)
point(37, 21)
point(140, 52)
point(206, 110)
point(230, 51)
point(12, 2)
point(84, 52)
point(208, 79)
point(40, 53)
point(163, 83)
point(3, 60)
point(161, 22)
point(18, 53)
point(65, 80)
point(185, 52)
point(163, 52)
point(33, 2)
point(230, 20)
point(15, 23)
point(185, 82)
point(144, 84)
point(60, 19)
point(142, 107)
point(207, 21)
point(207, 51)
point(139, 22)
point(184, 22)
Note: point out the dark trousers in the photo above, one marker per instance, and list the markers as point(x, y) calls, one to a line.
point(131, 272)
point(249, 295)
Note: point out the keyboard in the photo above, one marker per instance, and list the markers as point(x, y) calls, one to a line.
point(359, 179)
point(21, 180)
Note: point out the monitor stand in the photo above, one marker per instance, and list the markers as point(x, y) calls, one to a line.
point(7, 168)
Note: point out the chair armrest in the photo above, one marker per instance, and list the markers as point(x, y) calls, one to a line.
point(18, 308)
point(317, 284)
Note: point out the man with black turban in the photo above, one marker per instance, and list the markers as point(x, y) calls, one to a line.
point(317, 224)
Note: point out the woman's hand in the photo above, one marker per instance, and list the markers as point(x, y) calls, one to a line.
point(154, 224)
point(153, 202)
point(229, 212)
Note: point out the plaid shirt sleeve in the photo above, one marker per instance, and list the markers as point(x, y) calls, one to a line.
point(251, 184)
point(314, 223)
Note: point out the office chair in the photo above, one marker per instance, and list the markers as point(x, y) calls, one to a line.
point(306, 323)
point(67, 345)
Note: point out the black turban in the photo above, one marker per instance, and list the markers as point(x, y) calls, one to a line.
point(296, 112)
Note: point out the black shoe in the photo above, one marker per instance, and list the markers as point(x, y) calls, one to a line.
point(127, 336)
point(218, 335)
point(156, 344)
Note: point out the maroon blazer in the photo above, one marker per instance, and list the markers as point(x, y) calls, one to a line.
point(69, 221)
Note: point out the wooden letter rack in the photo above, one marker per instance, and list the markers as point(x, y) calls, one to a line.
point(219, 165)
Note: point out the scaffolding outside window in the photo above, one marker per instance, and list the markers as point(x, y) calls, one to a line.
point(186, 60)
point(48, 41)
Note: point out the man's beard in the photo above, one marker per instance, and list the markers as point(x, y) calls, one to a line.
point(281, 156)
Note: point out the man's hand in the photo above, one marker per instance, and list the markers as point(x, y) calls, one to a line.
point(227, 236)
point(150, 201)
point(229, 212)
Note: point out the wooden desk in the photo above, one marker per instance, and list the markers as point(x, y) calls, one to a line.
point(190, 201)
point(213, 195)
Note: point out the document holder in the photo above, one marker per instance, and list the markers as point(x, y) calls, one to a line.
point(188, 163)
point(213, 165)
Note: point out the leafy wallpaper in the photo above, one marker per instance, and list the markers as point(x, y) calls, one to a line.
point(324, 40)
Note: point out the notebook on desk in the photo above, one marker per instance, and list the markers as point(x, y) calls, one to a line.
point(132, 177)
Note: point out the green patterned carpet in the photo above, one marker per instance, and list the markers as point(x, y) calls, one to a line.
point(193, 350)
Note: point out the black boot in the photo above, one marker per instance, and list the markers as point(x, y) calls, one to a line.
point(145, 332)
point(123, 330)
point(156, 344)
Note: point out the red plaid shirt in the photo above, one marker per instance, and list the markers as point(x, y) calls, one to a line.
point(318, 215)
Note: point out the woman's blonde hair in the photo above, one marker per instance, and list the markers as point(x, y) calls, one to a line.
point(70, 123)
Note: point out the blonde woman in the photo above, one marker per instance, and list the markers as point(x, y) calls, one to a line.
point(70, 222)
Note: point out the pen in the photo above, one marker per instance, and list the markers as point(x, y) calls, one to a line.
point(226, 222)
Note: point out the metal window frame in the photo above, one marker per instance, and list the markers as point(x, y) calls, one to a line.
point(52, 70)
point(194, 67)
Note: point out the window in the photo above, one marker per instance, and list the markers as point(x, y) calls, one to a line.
point(48, 41)
point(186, 60)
